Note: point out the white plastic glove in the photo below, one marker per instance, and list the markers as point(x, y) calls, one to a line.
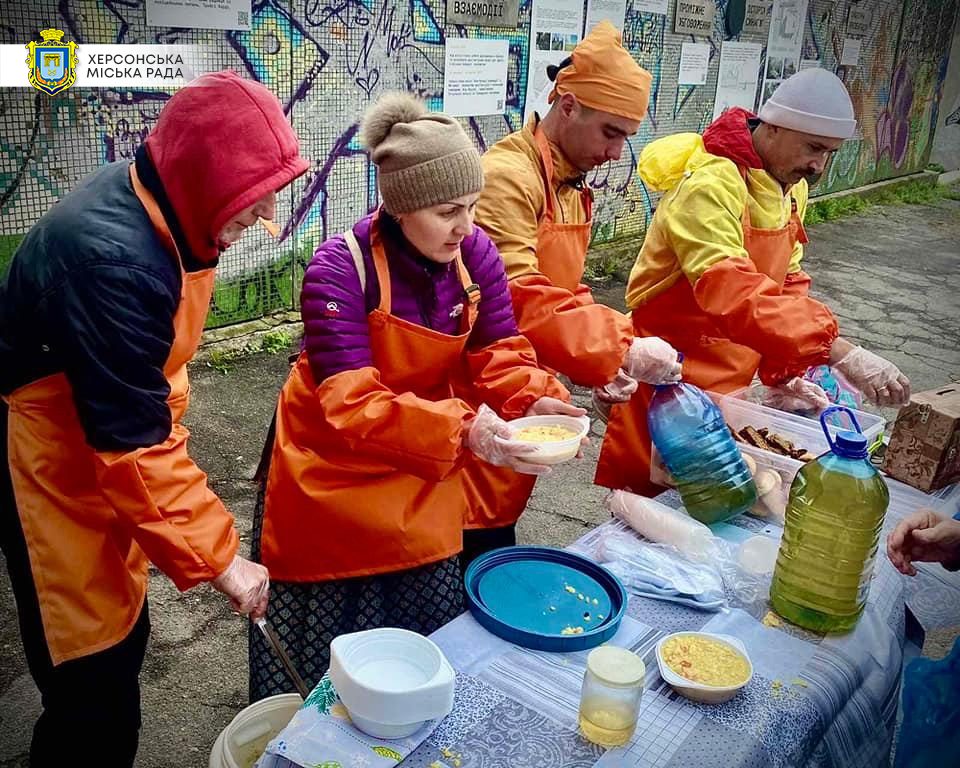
point(880, 380)
point(247, 584)
point(552, 406)
point(796, 396)
point(619, 390)
point(653, 361)
point(479, 434)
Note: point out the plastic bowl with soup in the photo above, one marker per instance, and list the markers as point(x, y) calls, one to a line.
point(552, 439)
point(704, 667)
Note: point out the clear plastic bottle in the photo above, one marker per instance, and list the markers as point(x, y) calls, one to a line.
point(695, 443)
point(834, 516)
point(610, 696)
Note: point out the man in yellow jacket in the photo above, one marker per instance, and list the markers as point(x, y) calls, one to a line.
point(719, 275)
point(536, 207)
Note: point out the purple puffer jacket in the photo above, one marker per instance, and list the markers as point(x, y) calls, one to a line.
point(334, 307)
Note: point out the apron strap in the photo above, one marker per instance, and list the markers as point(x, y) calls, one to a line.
point(546, 163)
point(357, 254)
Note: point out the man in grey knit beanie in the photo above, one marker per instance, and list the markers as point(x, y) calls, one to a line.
point(424, 158)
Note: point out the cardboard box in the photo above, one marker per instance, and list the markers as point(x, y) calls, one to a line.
point(924, 449)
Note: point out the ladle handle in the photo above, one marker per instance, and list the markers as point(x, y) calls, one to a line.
point(284, 658)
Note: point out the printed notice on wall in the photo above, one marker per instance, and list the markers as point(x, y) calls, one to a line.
point(613, 11)
point(555, 27)
point(694, 63)
point(475, 77)
point(200, 14)
point(785, 38)
point(651, 6)
point(851, 52)
point(784, 41)
point(737, 79)
point(756, 17)
point(694, 17)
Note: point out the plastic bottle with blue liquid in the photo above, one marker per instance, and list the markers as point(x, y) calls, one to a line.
point(695, 444)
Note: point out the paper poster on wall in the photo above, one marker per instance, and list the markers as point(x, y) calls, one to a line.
point(555, 27)
point(738, 76)
point(475, 77)
point(694, 17)
point(858, 20)
point(785, 38)
point(199, 14)
point(851, 52)
point(755, 17)
point(694, 63)
point(613, 11)
point(809, 63)
point(651, 6)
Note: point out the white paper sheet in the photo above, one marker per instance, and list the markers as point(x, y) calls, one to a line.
point(737, 79)
point(694, 63)
point(554, 32)
point(201, 14)
point(475, 77)
point(613, 11)
point(851, 52)
point(651, 6)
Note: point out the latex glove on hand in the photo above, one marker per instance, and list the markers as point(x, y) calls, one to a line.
point(924, 536)
point(797, 395)
point(479, 437)
point(247, 584)
point(652, 361)
point(880, 380)
point(620, 390)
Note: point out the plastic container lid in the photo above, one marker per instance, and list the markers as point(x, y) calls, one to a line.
point(545, 598)
point(616, 666)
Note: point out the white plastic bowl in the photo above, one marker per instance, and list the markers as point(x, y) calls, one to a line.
point(707, 694)
point(557, 451)
point(391, 681)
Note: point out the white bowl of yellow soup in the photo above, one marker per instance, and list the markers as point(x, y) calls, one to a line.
point(703, 666)
point(552, 439)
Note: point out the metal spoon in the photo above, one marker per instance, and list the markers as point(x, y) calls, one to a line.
point(278, 648)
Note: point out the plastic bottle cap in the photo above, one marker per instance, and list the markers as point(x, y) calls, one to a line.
point(851, 445)
point(616, 666)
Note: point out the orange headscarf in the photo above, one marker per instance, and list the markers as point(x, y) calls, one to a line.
point(604, 75)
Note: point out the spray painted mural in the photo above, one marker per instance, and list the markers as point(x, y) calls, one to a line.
point(327, 59)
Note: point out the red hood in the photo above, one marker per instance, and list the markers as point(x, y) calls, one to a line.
point(219, 145)
point(729, 136)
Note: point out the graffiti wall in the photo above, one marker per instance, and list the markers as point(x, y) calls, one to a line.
point(327, 59)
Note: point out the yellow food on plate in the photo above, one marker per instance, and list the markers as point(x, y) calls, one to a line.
point(705, 661)
point(544, 434)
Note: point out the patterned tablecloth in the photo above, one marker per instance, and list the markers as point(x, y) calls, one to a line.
point(813, 701)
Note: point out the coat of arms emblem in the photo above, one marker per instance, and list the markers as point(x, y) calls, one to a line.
point(52, 64)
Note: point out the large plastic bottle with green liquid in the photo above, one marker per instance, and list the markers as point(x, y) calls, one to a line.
point(834, 516)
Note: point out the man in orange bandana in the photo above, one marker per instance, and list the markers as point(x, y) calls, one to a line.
point(536, 207)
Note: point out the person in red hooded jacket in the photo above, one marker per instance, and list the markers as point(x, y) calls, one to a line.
point(101, 309)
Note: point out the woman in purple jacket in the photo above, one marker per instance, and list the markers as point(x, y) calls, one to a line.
point(411, 362)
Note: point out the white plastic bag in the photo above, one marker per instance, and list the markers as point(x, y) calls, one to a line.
point(662, 524)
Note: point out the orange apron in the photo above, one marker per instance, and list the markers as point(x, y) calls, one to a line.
point(90, 574)
point(711, 361)
point(329, 514)
point(497, 496)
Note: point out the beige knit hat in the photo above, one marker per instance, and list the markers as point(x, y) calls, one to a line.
point(424, 158)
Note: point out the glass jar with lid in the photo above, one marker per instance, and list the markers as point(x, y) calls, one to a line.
point(610, 696)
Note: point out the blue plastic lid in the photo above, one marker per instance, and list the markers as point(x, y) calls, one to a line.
point(545, 598)
point(850, 445)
